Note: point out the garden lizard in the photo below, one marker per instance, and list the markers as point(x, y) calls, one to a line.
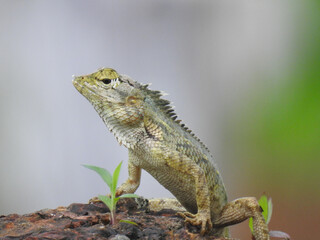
point(157, 142)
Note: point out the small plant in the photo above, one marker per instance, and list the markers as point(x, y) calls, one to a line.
point(266, 205)
point(112, 181)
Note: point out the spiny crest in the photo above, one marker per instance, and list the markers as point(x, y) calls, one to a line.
point(167, 109)
point(163, 104)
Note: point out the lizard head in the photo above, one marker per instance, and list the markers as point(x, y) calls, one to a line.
point(116, 98)
point(130, 110)
point(101, 86)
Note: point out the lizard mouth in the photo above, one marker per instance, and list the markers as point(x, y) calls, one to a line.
point(91, 90)
point(76, 82)
point(83, 86)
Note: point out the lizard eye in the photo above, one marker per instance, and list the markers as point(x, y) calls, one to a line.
point(113, 82)
point(106, 81)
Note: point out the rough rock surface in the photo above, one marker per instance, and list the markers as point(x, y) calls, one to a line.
point(92, 221)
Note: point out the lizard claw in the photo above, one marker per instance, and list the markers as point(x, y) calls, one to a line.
point(201, 218)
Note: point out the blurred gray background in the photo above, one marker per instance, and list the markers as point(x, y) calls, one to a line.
point(214, 58)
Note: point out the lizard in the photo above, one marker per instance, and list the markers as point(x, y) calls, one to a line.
point(157, 142)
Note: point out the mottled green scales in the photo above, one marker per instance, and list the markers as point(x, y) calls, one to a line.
point(146, 124)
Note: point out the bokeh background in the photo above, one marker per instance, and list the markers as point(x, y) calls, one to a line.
point(243, 75)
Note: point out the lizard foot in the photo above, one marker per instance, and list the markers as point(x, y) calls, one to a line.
point(201, 218)
point(94, 200)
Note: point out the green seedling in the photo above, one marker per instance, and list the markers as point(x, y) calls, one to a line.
point(266, 205)
point(112, 181)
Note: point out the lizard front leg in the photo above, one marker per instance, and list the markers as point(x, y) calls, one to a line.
point(133, 181)
point(240, 210)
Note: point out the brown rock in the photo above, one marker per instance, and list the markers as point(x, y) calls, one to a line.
point(92, 221)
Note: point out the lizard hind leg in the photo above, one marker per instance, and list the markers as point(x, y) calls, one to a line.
point(241, 209)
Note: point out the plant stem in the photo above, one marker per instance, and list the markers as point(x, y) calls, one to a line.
point(113, 209)
point(113, 219)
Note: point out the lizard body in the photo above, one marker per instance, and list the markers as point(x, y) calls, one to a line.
point(146, 124)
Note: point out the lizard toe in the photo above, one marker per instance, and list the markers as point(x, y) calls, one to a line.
point(200, 219)
point(186, 215)
point(94, 200)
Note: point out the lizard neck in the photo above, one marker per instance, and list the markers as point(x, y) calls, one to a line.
point(126, 135)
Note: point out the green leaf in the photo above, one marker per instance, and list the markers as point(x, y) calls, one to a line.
point(270, 208)
point(106, 201)
point(263, 202)
point(130, 222)
point(267, 210)
point(115, 178)
point(251, 225)
point(129, 195)
point(104, 174)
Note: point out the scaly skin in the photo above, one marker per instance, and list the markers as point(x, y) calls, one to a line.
point(145, 123)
